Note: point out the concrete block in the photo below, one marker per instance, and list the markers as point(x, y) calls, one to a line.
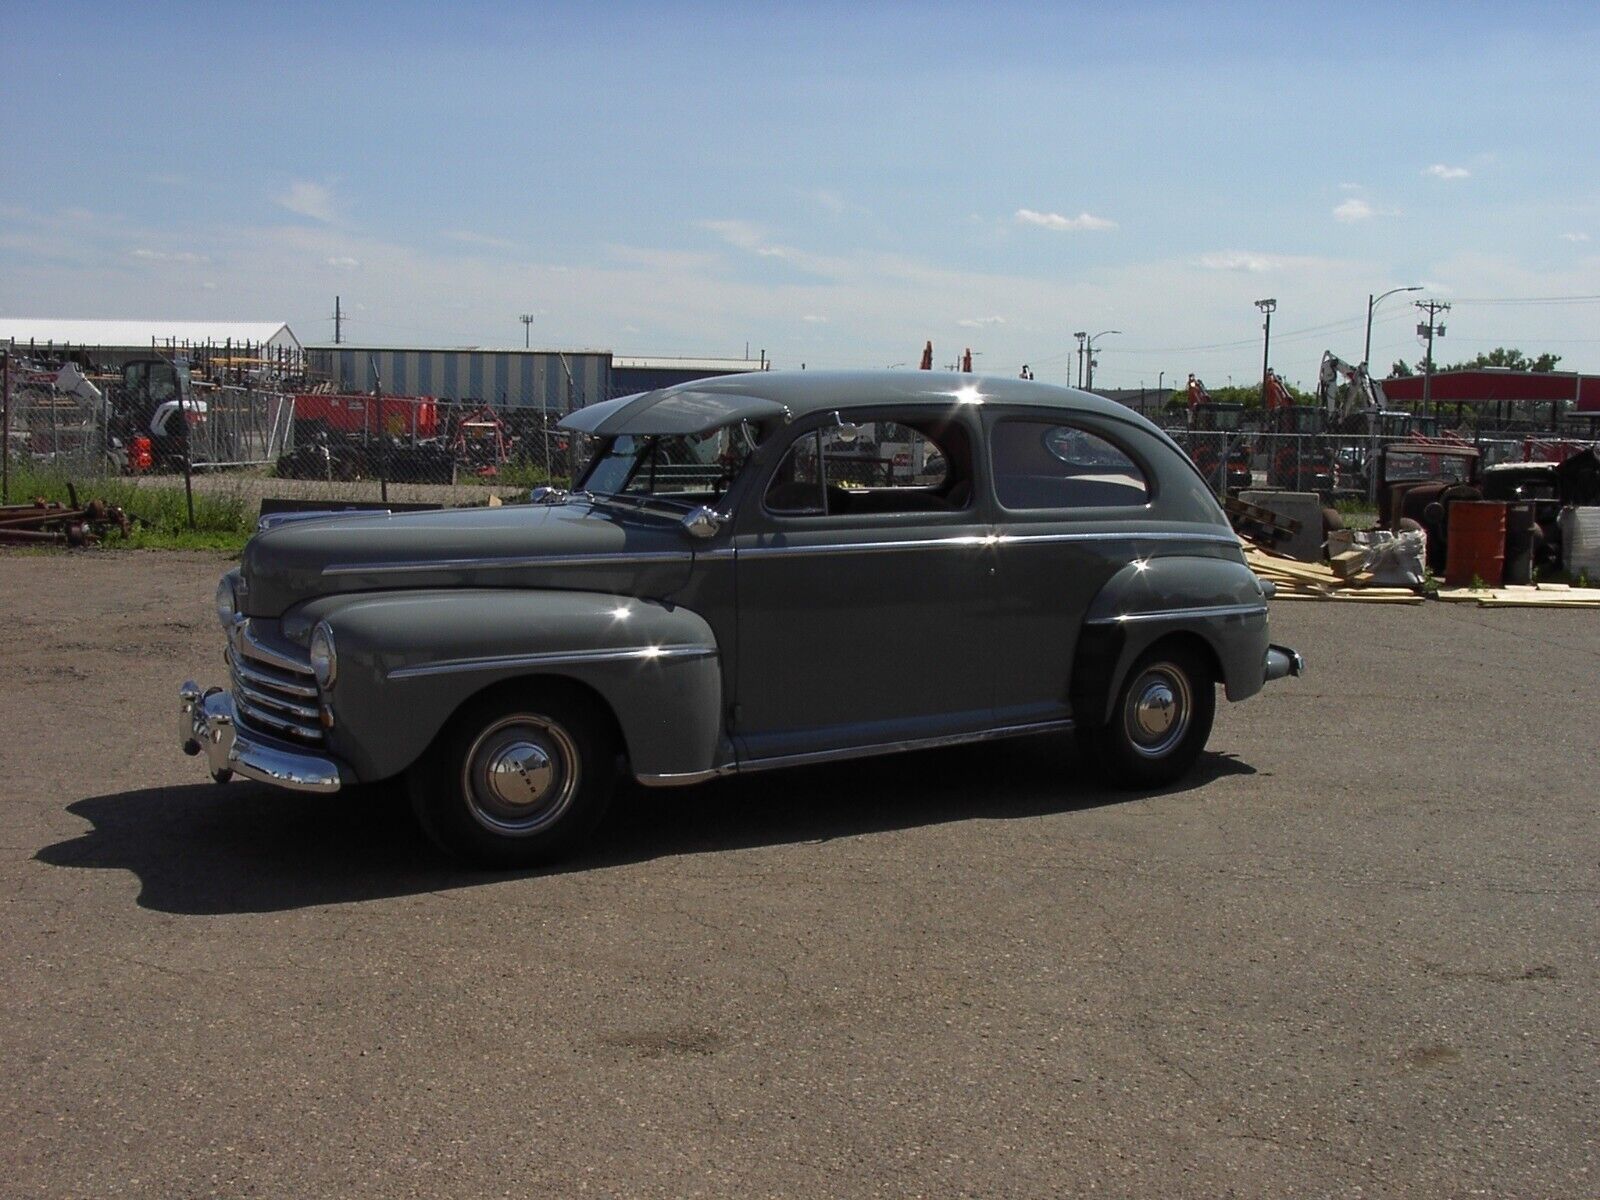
point(1305, 507)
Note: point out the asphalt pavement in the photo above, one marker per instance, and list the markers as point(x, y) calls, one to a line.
point(1355, 954)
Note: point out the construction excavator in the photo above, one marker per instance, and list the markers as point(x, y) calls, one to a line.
point(1300, 460)
point(1216, 434)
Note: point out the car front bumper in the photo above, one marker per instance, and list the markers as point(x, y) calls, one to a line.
point(207, 722)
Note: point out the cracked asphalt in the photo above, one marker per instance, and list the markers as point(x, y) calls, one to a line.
point(1355, 954)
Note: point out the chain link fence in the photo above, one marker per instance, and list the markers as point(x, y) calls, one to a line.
point(1341, 466)
point(249, 446)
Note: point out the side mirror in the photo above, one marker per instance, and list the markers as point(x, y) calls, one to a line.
point(702, 523)
point(844, 431)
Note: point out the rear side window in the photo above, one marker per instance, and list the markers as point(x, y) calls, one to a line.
point(1045, 464)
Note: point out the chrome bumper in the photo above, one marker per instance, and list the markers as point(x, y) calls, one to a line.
point(1283, 661)
point(206, 723)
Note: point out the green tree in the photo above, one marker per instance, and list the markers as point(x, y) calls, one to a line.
point(1500, 356)
point(1511, 360)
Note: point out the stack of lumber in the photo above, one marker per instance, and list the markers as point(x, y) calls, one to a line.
point(1541, 595)
point(1313, 581)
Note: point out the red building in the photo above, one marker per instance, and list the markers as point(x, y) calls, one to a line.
point(1535, 393)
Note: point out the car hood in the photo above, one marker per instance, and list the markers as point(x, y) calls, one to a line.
point(575, 544)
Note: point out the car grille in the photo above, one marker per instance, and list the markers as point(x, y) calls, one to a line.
point(273, 692)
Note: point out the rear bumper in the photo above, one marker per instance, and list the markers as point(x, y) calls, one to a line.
point(207, 722)
point(1283, 661)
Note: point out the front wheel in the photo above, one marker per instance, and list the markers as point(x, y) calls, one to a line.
point(1159, 724)
point(518, 778)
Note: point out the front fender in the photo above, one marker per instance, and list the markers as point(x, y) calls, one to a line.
point(408, 660)
point(1216, 598)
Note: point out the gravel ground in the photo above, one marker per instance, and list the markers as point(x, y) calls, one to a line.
point(1355, 954)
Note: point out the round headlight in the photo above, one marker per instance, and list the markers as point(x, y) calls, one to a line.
point(227, 599)
point(324, 662)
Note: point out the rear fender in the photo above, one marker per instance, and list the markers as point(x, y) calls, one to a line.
point(1217, 599)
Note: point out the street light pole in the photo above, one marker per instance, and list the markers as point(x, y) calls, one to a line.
point(1080, 335)
point(1089, 355)
point(1372, 303)
point(1267, 307)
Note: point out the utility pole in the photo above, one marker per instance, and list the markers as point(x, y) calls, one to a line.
point(338, 322)
point(1267, 307)
point(527, 330)
point(1430, 329)
point(1081, 335)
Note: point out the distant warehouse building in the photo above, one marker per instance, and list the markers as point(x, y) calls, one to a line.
point(109, 344)
point(556, 380)
point(550, 379)
point(629, 375)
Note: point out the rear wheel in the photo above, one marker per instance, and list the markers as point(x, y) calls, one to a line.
point(1159, 723)
point(518, 778)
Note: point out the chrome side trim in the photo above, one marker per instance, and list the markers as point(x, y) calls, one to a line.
point(1161, 535)
point(963, 541)
point(684, 778)
point(557, 658)
point(813, 757)
point(1174, 614)
point(930, 743)
point(959, 541)
point(509, 564)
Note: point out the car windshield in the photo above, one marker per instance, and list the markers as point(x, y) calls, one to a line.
point(674, 467)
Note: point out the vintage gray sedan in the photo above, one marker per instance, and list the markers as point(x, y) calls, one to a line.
point(753, 572)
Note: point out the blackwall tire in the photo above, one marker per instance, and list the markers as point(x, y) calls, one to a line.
point(1159, 723)
point(518, 778)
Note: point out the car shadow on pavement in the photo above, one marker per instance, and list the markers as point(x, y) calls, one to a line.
point(206, 850)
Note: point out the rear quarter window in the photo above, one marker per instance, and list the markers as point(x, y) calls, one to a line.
point(1050, 464)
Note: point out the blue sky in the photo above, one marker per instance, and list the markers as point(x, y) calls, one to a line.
point(833, 184)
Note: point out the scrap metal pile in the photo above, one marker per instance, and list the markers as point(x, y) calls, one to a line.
point(49, 523)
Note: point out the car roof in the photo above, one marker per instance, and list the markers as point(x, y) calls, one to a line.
point(705, 404)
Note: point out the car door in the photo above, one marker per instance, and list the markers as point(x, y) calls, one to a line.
point(1071, 503)
point(864, 576)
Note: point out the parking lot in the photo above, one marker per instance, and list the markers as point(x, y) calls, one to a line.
point(1356, 954)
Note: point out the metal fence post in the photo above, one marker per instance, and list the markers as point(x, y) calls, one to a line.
point(5, 427)
point(383, 439)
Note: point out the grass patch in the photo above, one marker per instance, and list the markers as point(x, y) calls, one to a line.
point(160, 514)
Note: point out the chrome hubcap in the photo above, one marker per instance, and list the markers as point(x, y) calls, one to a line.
point(521, 774)
point(1158, 710)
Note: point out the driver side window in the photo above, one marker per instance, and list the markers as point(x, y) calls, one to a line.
point(877, 466)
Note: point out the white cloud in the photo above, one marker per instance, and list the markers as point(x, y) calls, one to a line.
point(1239, 260)
point(829, 199)
point(980, 322)
point(308, 199)
point(1353, 210)
point(1575, 237)
point(744, 235)
point(1440, 171)
point(177, 256)
point(1051, 220)
point(1349, 187)
point(343, 260)
point(814, 319)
